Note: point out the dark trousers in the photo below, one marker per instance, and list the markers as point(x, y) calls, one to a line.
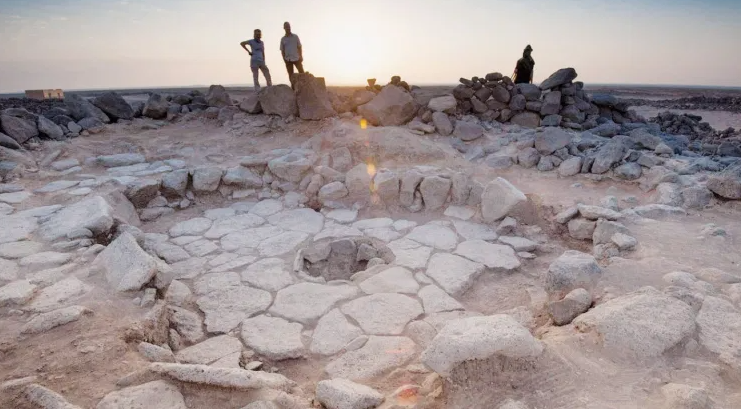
point(289, 67)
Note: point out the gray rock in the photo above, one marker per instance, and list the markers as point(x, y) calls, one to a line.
point(142, 191)
point(307, 302)
point(500, 198)
point(659, 211)
point(597, 212)
point(629, 171)
point(21, 130)
point(409, 183)
point(16, 293)
point(8, 142)
point(517, 103)
point(156, 107)
point(570, 167)
point(685, 397)
point(434, 235)
point(607, 129)
point(607, 156)
point(49, 129)
point(551, 140)
point(152, 395)
point(218, 97)
point(605, 230)
point(468, 131)
point(528, 157)
point(572, 270)
point(226, 308)
point(127, 267)
point(154, 353)
point(442, 123)
point(114, 106)
point(391, 107)
point(582, 229)
point(494, 256)
point(227, 378)
point(273, 338)
point(696, 197)
point(175, 183)
point(727, 184)
point(575, 303)
point(81, 108)
point(312, 98)
point(187, 323)
point(623, 241)
point(206, 179)
point(446, 103)
point(479, 338)
point(435, 191)
point(560, 77)
point(526, 119)
point(332, 191)
point(391, 280)
point(45, 398)
point(278, 100)
point(530, 91)
point(333, 333)
point(94, 214)
point(345, 394)
point(251, 104)
point(293, 166)
point(662, 321)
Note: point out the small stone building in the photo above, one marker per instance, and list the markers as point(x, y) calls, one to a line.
point(45, 94)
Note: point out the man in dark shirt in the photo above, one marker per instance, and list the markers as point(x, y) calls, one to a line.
point(525, 67)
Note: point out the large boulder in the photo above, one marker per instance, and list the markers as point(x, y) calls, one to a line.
point(572, 270)
point(19, 129)
point(643, 324)
point(530, 91)
point(719, 323)
point(156, 107)
point(218, 97)
point(278, 100)
point(80, 108)
point(442, 123)
point(445, 103)
point(251, 104)
point(500, 197)
point(49, 128)
point(551, 140)
point(607, 156)
point(727, 184)
point(114, 106)
point(560, 77)
point(526, 120)
point(391, 107)
point(312, 98)
point(293, 166)
point(434, 191)
point(127, 267)
point(478, 338)
point(8, 142)
point(94, 214)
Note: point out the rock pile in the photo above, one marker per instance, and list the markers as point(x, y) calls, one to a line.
point(558, 101)
point(704, 103)
point(686, 124)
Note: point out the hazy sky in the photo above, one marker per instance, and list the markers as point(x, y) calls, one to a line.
point(82, 44)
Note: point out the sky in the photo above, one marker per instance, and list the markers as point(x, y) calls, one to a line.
point(98, 44)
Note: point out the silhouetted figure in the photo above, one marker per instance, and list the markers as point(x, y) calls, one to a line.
point(290, 48)
point(257, 62)
point(525, 67)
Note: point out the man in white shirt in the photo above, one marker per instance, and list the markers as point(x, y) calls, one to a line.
point(290, 48)
point(257, 62)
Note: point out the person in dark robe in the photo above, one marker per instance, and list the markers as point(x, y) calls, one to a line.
point(525, 67)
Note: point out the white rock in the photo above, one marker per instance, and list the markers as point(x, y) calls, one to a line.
point(8, 270)
point(337, 231)
point(213, 282)
point(500, 197)
point(46, 321)
point(344, 394)
point(474, 231)
point(46, 398)
point(16, 293)
point(383, 314)
point(298, 220)
point(333, 333)
point(209, 351)
point(201, 248)
point(454, 274)
point(597, 212)
point(519, 243)
point(624, 242)
point(435, 300)
point(410, 254)
point(214, 214)
point(269, 274)
point(228, 378)
point(169, 252)
point(434, 235)
point(677, 396)
point(373, 359)
point(235, 263)
point(265, 208)
point(127, 267)
point(42, 211)
point(435, 191)
point(479, 338)
point(152, 395)
point(192, 227)
point(401, 225)
point(94, 214)
point(373, 223)
point(494, 256)
point(391, 280)
point(307, 302)
point(460, 212)
point(178, 293)
point(281, 244)
point(206, 179)
point(640, 325)
point(250, 238)
point(273, 338)
point(155, 353)
point(572, 270)
point(719, 323)
point(343, 215)
point(384, 234)
point(17, 228)
point(187, 323)
point(15, 197)
point(222, 227)
point(226, 308)
point(57, 295)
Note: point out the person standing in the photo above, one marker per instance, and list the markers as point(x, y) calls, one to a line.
point(290, 48)
point(257, 61)
point(525, 67)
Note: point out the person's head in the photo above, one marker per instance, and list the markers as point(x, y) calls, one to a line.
point(287, 27)
point(528, 51)
point(258, 34)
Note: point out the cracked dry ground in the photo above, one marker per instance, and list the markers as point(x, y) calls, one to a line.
point(184, 267)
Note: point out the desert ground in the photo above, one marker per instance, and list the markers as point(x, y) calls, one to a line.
point(241, 260)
